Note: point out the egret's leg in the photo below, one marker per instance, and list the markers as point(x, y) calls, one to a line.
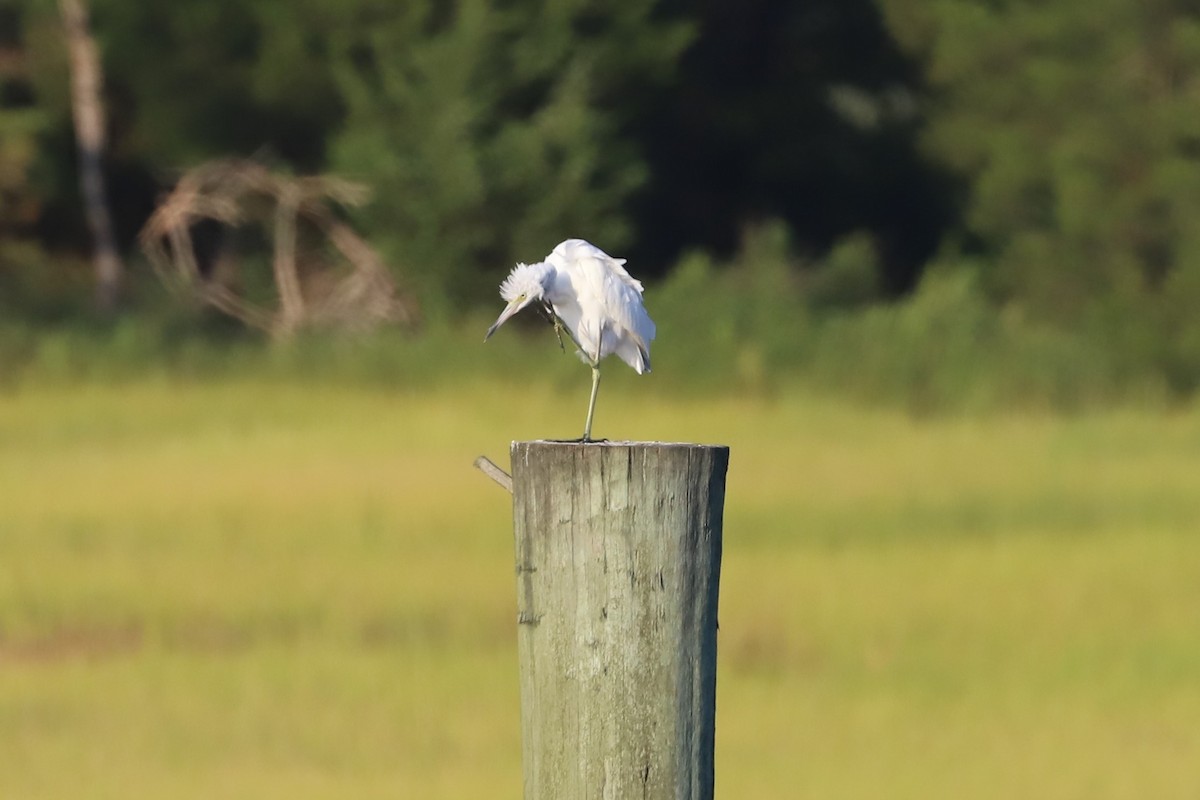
point(587, 427)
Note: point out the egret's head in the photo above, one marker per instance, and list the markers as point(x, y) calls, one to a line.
point(526, 284)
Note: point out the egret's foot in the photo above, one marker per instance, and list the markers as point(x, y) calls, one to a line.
point(558, 331)
point(559, 328)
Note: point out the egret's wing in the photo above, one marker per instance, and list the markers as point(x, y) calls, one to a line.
point(580, 250)
point(607, 301)
point(621, 296)
point(617, 265)
point(633, 325)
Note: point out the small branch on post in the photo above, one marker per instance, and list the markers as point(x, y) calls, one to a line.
point(618, 549)
point(489, 468)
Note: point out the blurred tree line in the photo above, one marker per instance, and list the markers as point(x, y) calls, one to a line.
point(1048, 153)
point(490, 130)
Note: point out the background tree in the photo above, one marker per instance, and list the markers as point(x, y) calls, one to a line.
point(26, 118)
point(804, 112)
point(488, 129)
point(492, 130)
point(87, 110)
point(1077, 126)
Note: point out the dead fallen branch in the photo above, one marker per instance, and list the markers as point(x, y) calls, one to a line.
point(342, 285)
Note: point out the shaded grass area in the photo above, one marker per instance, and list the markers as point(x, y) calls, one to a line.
point(286, 589)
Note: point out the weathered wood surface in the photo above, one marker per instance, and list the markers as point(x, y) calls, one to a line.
point(618, 551)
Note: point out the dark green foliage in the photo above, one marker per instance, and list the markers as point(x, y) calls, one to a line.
point(1077, 126)
point(25, 120)
point(491, 130)
point(199, 79)
point(804, 112)
point(850, 276)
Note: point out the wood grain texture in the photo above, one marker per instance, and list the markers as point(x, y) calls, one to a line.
point(618, 550)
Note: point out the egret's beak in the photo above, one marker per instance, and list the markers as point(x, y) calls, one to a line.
point(509, 310)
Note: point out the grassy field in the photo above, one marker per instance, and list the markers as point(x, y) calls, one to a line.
point(269, 590)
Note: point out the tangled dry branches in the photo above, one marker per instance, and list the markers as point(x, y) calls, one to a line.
point(353, 290)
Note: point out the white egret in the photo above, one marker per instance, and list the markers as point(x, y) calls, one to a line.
point(589, 294)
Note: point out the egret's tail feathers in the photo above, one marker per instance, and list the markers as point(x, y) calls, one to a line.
point(635, 355)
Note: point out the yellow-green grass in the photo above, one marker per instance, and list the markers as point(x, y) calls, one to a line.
point(271, 590)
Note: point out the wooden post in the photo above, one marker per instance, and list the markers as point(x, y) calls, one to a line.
point(618, 551)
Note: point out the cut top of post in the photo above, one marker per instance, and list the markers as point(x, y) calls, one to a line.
point(617, 474)
point(575, 444)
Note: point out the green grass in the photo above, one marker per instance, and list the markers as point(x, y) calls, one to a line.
point(247, 589)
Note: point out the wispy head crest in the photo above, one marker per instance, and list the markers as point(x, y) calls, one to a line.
point(525, 279)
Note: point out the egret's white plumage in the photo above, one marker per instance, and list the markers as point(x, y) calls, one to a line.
point(596, 301)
